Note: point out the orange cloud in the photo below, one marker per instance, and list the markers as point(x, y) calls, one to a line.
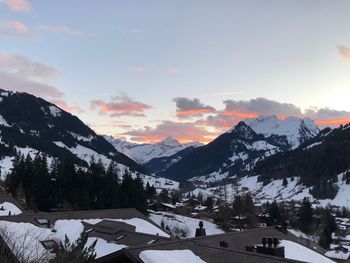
point(240, 115)
point(182, 131)
point(121, 106)
point(17, 5)
point(333, 122)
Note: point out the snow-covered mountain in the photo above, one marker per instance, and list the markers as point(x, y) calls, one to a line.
point(295, 130)
point(231, 154)
point(31, 125)
point(143, 153)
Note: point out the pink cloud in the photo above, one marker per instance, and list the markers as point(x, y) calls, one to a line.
point(19, 73)
point(63, 29)
point(138, 69)
point(120, 106)
point(171, 70)
point(16, 5)
point(15, 29)
point(344, 52)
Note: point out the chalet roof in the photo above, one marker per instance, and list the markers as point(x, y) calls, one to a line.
point(125, 213)
point(208, 247)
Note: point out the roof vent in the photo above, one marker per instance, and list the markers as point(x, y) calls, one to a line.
point(270, 247)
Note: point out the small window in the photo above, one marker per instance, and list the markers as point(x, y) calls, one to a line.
point(152, 241)
point(119, 237)
point(49, 244)
point(42, 221)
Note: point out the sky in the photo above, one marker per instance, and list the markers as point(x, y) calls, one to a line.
point(190, 69)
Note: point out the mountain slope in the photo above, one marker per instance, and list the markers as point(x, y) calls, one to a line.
point(232, 153)
point(30, 124)
point(143, 153)
point(317, 162)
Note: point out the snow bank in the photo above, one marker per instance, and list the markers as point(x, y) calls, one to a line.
point(169, 256)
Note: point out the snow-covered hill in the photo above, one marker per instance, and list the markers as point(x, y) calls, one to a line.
point(294, 189)
point(143, 153)
point(295, 129)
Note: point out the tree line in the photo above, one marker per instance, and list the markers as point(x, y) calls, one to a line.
point(63, 185)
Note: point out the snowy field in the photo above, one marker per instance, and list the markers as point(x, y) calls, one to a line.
point(183, 226)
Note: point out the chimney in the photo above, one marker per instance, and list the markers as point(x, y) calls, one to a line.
point(200, 232)
point(223, 243)
point(270, 247)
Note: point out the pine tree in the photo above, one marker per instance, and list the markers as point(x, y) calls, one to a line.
point(305, 216)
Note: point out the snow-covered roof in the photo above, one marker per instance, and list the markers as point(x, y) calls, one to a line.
point(169, 256)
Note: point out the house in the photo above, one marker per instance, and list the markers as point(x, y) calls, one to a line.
point(35, 236)
point(263, 245)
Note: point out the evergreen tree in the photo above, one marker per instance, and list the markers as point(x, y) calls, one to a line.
point(305, 216)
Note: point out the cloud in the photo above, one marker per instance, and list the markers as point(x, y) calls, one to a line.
point(113, 124)
point(19, 73)
point(15, 29)
point(138, 69)
point(120, 106)
point(171, 70)
point(186, 108)
point(260, 106)
point(16, 5)
point(63, 29)
point(344, 52)
point(182, 131)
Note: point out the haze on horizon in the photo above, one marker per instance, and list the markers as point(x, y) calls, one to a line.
point(146, 70)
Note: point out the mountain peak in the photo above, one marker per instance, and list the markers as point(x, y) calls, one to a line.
point(169, 141)
point(243, 130)
point(295, 129)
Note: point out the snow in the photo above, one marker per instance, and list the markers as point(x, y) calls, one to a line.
point(183, 226)
point(55, 112)
point(27, 237)
point(6, 166)
point(338, 254)
point(9, 207)
point(102, 247)
point(296, 251)
point(342, 198)
point(3, 122)
point(142, 226)
point(143, 153)
point(290, 127)
point(169, 256)
point(82, 138)
point(313, 145)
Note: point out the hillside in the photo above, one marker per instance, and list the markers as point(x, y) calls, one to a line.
point(29, 124)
